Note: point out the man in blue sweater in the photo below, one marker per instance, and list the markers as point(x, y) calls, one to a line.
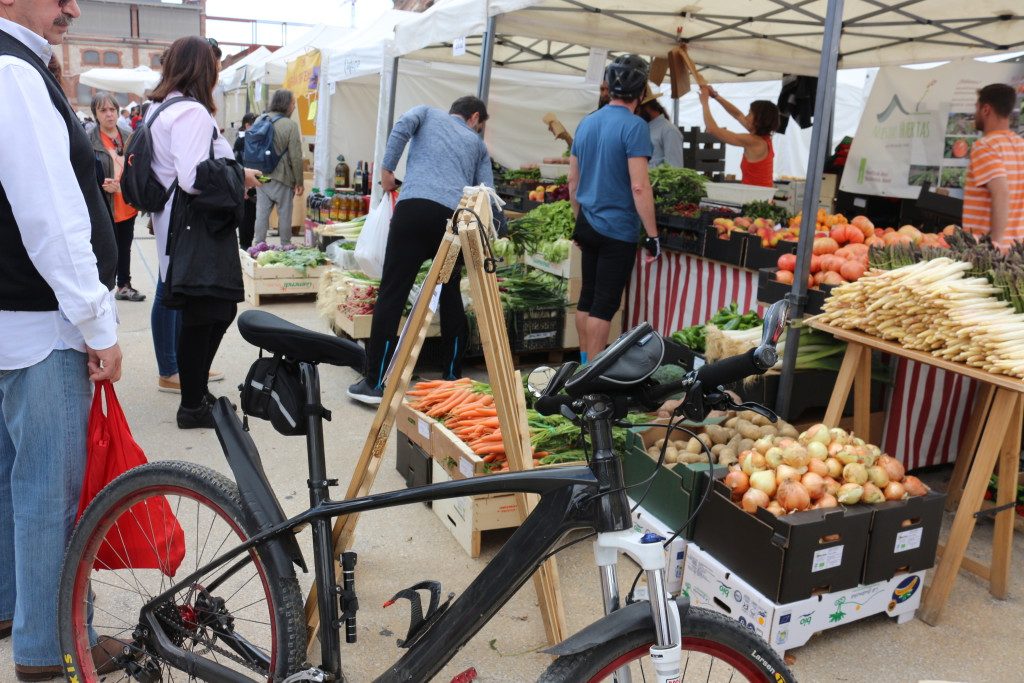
point(446, 154)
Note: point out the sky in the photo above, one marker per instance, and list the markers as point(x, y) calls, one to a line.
point(337, 12)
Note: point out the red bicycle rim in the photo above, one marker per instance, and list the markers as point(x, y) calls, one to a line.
point(743, 665)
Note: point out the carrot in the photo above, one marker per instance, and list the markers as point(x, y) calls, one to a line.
point(490, 458)
point(447, 405)
point(490, 448)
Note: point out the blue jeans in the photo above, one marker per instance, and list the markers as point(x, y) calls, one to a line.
point(166, 325)
point(44, 410)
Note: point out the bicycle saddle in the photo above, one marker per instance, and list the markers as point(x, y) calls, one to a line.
point(269, 332)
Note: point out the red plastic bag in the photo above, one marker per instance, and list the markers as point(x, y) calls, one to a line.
point(111, 451)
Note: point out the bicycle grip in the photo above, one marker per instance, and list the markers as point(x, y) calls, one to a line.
point(552, 405)
point(728, 370)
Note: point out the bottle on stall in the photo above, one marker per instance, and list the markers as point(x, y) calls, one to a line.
point(341, 172)
point(357, 205)
point(357, 180)
point(350, 205)
point(337, 208)
point(325, 206)
point(309, 202)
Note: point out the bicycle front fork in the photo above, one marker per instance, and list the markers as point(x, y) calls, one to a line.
point(666, 653)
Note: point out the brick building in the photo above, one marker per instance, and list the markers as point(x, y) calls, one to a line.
point(123, 34)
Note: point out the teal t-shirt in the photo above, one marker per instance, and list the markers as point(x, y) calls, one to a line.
point(604, 143)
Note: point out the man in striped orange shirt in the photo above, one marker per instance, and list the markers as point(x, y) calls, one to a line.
point(994, 192)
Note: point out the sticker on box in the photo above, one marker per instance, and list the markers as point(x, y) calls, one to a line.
point(423, 427)
point(827, 558)
point(908, 540)
point(466, 468)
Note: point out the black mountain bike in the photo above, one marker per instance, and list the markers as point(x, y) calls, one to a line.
point(229, 607)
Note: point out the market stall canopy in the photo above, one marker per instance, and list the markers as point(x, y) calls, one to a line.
point(235, 75)
point(362, 55)
point(136, 81)
point(272, 70)
point(728, 39)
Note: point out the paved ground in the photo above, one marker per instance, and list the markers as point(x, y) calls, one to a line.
point(978, 639)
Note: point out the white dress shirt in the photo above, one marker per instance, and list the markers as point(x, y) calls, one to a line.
point(181, 141)
point(36, 174)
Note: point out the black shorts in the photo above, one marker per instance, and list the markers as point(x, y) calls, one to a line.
point(607, 264)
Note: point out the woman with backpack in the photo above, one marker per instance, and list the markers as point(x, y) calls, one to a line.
point(195, 232)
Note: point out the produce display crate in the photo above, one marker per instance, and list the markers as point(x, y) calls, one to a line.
point(786, 558)
point(358, 326)
point(674, 222)
point(686, 241)
point(731, 251)
point(413, 463)
point(675, 489)
point(770, 290)
point(538, 329)
point(812, 389)
point(569, 268)
point(417, 427)
point(260, 281)
point(711, 584)
point(759, 256)
point(467, 517)
point(904, 536)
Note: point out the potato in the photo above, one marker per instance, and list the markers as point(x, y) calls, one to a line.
point(748, 430)
point(654, 452)
point(691, 458)
point(734, 442)
point(745, 445)
point(694, 446)
point(769, 430)
point(679, 444)
point(786, 429)
point(671, 458)
point(748, 415)
point(727, 456)
point(659, 443)
point(706, 440)
point(718, 434)
point(717, 448)
point(731, 422)
point(760, 420)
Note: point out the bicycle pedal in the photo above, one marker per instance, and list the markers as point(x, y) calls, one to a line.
point(419, 622)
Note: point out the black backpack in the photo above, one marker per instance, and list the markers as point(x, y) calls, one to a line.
point(258, 149)
point(139, 185)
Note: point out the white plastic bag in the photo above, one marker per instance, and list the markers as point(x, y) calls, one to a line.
point(373, 240)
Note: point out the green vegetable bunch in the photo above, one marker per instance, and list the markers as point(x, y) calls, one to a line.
point(729, 318)
point(674, 186)
point(302, 258)
point(547, 224)
point(761, 209)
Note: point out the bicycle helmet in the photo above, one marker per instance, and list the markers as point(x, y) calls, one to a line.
point(626, 76)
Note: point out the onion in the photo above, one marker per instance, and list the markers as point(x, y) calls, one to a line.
point(785, 442)
point(837, 435)
point(818, 467)
point(752, 461)
point(875, 450)
point(814, 484)
point(776, 509)
point(820, 434)
point(763, 444)
point(804, 437)
point(892, 467)
point(738, 482)
point(786, 473)
point(847, 455)
point(895, 491)
point(754, 499)
point(855, 473)
point(878, 476)
point(850, 494)
point(835, 468)
point(763, 480)
point(793, 496)
point(826, 501)
point(817, 450)
point(834, 448)
point(914, 486)
point(773, 457)
point(872, 494)
point(796, 456)
point(831, 486)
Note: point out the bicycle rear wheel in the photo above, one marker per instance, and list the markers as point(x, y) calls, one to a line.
point(715, 649)
point(243, 615)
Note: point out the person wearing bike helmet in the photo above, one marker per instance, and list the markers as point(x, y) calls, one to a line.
point(610, 190)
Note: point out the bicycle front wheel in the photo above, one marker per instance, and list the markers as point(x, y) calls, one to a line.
point(714, 649)
point(173, 517)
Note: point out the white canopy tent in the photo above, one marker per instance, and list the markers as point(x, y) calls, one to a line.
point(135, 81)
point(271, 71)
point(235, 75)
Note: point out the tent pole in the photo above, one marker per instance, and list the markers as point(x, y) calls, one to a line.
point(675, 112)
point(824, 106)
point(486, 60)
point(392, 94)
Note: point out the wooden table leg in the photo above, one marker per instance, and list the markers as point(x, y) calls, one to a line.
point(975, 425)
point(1009, 458)
point(844, 382)
point(862, 396)
point(1004, 407)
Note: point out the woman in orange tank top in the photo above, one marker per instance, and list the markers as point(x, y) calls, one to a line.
point(758, 163)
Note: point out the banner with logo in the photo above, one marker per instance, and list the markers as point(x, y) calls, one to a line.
point(918, 127)
point(302, 77)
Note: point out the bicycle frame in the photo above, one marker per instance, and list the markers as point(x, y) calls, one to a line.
point(570, 498)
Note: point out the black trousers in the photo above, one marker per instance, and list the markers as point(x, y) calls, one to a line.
point(203, 324)
point(606, 265)
point(247, 228)
point(124, 233)
point(416, 231)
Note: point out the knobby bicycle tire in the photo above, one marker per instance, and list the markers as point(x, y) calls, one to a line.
point(221, 497)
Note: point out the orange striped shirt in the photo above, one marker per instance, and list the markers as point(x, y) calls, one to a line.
point(998, 154)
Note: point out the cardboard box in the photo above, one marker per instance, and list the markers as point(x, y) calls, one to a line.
point(711, 585)
point(270, 280)
point(412, 463)
point(675, 554)
point(416, 426)
point(675, 489)
point(467, 517)
point(904, 536)
point(786, 558)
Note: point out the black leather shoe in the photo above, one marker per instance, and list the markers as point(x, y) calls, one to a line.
point(195, 418)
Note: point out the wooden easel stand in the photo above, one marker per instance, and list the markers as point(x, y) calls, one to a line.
point(993, 438)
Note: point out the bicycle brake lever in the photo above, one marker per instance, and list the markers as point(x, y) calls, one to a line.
point(756, 408)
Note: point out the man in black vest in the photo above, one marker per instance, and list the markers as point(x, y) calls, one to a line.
point(58, 326)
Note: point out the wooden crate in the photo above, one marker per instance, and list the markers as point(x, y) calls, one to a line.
point(572, 267)
point(467, 517)
point(260, 281)
point(358, 326)
point(416, 426)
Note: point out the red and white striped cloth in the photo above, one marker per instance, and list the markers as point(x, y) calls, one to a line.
point(927, 407)
point(681, 290)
